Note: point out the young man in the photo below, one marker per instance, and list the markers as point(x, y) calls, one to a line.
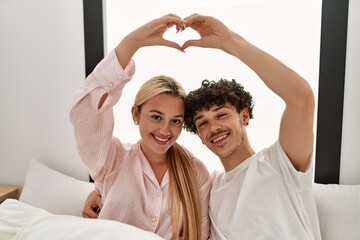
point(264, 195)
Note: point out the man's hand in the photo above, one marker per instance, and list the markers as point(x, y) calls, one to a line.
point(92, 205)
point(213, 33)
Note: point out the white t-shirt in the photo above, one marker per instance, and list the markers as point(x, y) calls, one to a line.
point(265, 197)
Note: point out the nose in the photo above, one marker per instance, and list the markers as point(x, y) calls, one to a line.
point(214, 126)
point(165, 129)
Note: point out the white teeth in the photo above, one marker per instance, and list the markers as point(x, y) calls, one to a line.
point(161, 139)
point(219, 138)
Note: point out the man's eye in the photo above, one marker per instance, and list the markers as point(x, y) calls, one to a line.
point(222, 115)
point(202, 124)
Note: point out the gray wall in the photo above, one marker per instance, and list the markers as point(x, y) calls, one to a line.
point(350, 152)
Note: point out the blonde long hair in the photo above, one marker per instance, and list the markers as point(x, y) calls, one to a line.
point(184, 198)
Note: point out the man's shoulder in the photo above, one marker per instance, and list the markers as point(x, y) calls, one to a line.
point(216, 175)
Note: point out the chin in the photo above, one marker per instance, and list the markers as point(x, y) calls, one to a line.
point(222, 153)
point(162, 149)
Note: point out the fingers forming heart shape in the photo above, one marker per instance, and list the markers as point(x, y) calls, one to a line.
point(180, 37)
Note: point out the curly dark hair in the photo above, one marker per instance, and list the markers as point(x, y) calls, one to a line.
point(215, 93)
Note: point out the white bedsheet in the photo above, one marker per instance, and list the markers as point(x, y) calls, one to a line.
point(20, 221)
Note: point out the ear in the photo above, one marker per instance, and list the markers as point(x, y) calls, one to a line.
point(245, 116)
point(135, 114)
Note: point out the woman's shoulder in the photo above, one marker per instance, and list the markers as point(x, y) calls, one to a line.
point(126, 150)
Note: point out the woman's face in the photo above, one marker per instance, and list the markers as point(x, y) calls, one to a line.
point(160, 123)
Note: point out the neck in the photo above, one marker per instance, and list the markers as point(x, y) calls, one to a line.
point(153, 157)
point(159, 170)
point(158, 163)
point(238, 156)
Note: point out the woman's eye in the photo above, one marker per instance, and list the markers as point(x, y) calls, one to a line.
point(177, 122)
point(156, 117)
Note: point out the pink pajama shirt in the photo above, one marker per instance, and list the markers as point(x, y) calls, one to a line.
point(130, 191)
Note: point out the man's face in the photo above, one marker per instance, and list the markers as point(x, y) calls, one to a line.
point(221, 128)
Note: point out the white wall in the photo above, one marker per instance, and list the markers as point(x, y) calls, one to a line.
point(41, 65)
point(277, 26)
point(350, 154)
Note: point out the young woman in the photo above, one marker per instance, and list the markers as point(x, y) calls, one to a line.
point(154, 184)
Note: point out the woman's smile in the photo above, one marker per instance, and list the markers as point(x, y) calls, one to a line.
point(161, 139)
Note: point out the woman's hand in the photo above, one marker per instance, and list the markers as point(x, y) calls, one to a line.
point(150, 34)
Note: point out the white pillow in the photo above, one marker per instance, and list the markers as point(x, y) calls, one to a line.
point(53, 191)
point(339, 211)
point(22, 221)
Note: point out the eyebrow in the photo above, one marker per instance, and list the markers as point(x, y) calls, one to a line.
point(158, 112)
point(198, 118)
point(215, 110)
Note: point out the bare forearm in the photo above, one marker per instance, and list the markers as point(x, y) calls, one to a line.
point(296, 127)
point(125, 50)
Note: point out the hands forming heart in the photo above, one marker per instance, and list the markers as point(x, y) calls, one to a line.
point(211, 31)
point(213, 34)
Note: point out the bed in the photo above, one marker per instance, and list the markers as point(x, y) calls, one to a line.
point(50, 205)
